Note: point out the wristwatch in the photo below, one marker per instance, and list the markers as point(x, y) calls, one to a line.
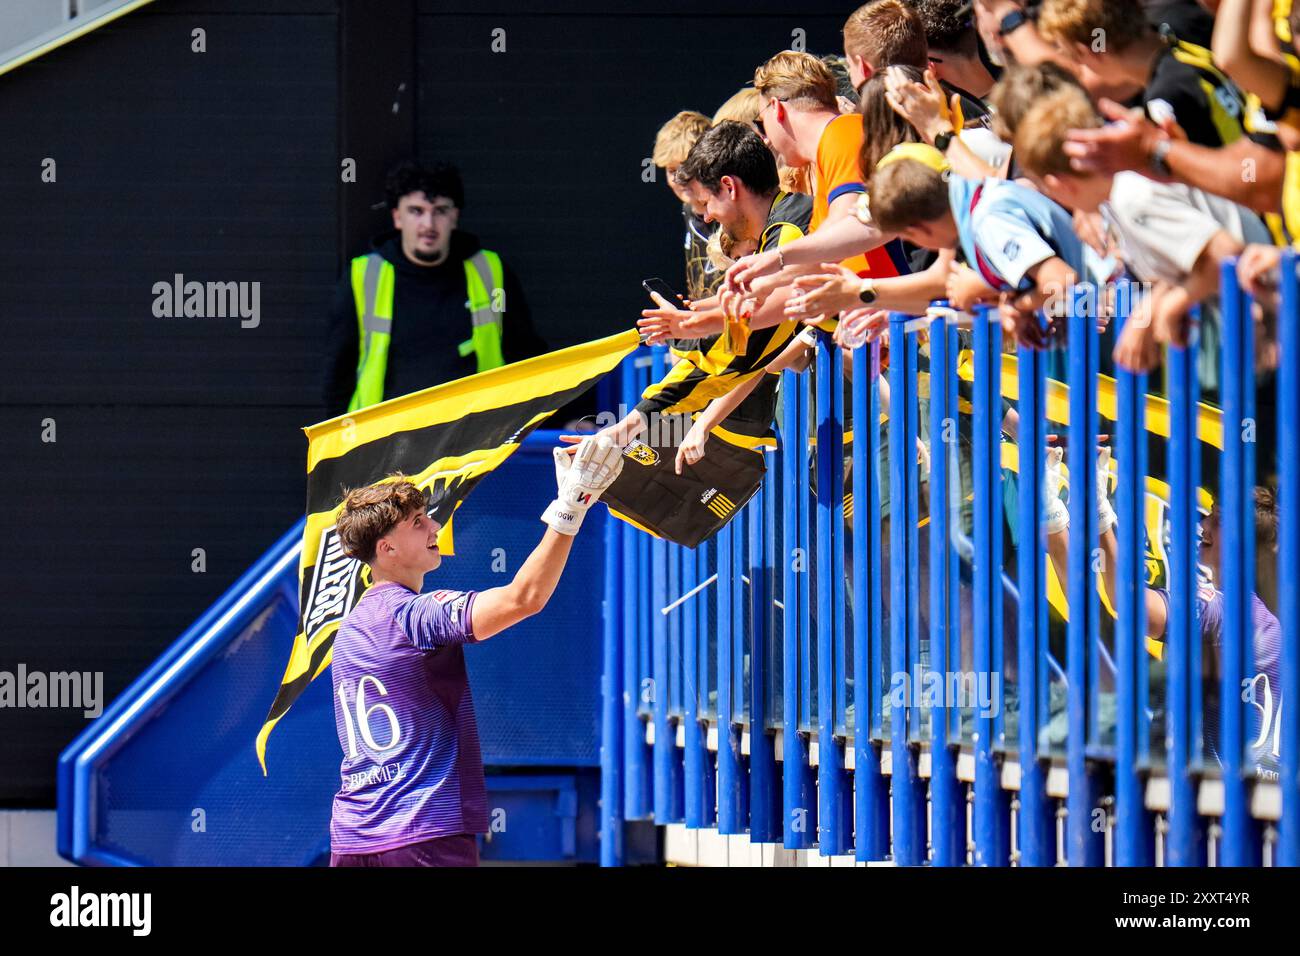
point(867, 292)
point(1011, 22)
point(1159, 157)
point(944, 140)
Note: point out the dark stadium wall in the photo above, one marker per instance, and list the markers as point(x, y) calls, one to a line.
point(139, 448)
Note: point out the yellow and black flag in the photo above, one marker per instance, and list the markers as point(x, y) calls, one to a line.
point(446, 439)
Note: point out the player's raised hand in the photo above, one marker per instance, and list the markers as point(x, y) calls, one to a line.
point(581, 479)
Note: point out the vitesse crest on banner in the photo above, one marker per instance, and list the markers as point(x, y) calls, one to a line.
point(444, 439)
point(689, 507)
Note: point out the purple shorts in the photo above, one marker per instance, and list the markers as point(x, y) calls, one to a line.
point(458, 850)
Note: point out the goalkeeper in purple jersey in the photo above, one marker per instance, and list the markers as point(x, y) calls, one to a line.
point(412, 791)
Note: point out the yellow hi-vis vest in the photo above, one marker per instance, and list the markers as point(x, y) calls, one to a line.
point(373, 278)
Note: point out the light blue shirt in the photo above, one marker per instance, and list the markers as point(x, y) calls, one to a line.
point(1014, 228)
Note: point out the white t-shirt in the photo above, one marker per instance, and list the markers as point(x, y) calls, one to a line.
point(1162, 228)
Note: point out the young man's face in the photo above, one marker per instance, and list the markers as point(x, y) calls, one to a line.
point(1097, 74)
point(426, 225)
point(684, 193)
point(936, 234)
point(412, 545)
point(770, 121)
point(859, 69)
point(721, 206)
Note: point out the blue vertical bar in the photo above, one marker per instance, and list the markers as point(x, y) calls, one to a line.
point(706, 560)
point(636, 781)
point(764, 784)
point(611, 688)
point(1184, 844)
point(876, 556)
point(838, 589)
point(804, 492)
point(1134, 833)
point(832, 779)
point(1288, 423)
point(947, 798)
point(740, 607)
point(871, 820)
point(665, 745)
point(1085, 846)
point(1240, 844)
point(695, 752)
point(992, 807)
point(729, 813)
point(1037, 837)
point(909, 829)
point(798, 799)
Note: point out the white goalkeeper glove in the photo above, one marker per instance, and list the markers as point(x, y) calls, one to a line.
point(1058, 515)
point(1106, 518)
point(581, 480)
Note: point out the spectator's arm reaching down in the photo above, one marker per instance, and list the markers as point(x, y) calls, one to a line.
point(1244, 171)
point(1053, 279)
point(1259, 72)
point(1157, 610)
point(691, 449)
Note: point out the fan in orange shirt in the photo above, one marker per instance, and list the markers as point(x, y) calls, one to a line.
point(800, 120)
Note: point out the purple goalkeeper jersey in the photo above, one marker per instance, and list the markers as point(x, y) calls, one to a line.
point(411, 768)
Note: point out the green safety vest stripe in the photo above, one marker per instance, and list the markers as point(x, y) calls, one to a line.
point(373, 280)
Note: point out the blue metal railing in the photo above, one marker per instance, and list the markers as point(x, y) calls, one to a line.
point(897, 658)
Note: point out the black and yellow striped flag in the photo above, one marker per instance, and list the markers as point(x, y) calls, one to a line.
point(446, 439)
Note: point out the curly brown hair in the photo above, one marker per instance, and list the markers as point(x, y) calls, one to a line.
point(371, 512)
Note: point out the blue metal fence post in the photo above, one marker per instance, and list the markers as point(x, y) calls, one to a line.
point(764, 783)
point(871, 820)
point(636, 781)
point(1240, 845)
point(667, 763)
point(705, 660)
point(1036, 839)
point(947, 796)
point(1185, 841)
point(695, 753)
point(992, 805)
point(1134, 833)
point(909, 826)
point(799, 801)
point(1085, 845)
point(834, 810)
point(611, 686)
point(730, 819)
point(1288, 418)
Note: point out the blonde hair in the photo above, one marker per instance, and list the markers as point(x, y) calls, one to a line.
point(1117, 23)
point(799, 79)
point(741, 107)
point(676, 137)
point(1040, 137)
point(887, 33)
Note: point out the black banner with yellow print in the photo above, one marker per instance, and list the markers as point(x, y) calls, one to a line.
point(446, 439)
point(687, 508)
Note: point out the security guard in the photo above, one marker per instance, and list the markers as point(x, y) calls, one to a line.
point(427, 304)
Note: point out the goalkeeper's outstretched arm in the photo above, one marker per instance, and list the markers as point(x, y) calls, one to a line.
point(593, 468)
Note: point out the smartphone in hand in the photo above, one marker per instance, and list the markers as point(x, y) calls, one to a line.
point(665, 291)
